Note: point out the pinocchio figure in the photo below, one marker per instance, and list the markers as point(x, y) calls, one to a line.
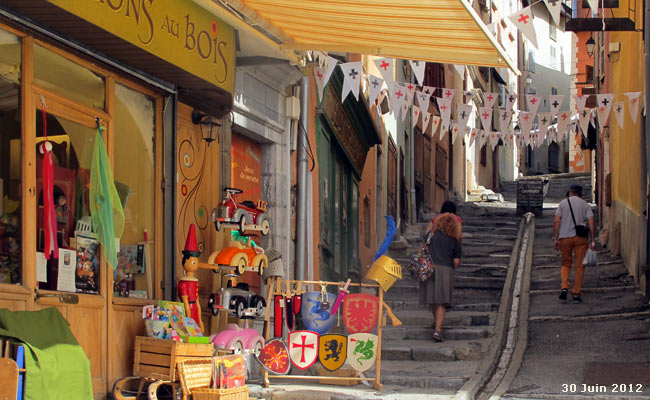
point(188, 287)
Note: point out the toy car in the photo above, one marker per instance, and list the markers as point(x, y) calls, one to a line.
point(238, 339)
point(244, 216)
point(238, 300)
point(240, 257)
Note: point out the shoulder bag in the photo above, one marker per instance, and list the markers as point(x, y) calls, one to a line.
point(581, 230)
point(420, 267)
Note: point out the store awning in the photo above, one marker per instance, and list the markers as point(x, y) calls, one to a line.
point(443, 31)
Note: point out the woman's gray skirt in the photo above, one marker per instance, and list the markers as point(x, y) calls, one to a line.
point(439, 288)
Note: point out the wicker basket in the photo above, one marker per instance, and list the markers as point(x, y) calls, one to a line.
point(239, 393)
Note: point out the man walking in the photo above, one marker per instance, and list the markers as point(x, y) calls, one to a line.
point(571, 235)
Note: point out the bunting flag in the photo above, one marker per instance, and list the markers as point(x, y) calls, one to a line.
point(483, 139)
point(563, 120)
point(603, 116)
point(464, 112)
point(490, 99)
point(374, 87)
point(448, 94)
point(426, 118)
point(619, 111)
point(398, 94)
point(466, 94)
point(543, 121)
point(510, 139)
point(510, 101)
point(444, 105)
point(410, 92)
point(554, 8)
point(581, 100)
point(472, 136)
point(494, 139)
point(423, 100)
point(415, 117)
point(405, 110)
point(584, 116)
point(460, 69)
point(430, 90)
point(526, 136)
point(418, 70)
point(455, 132)
point(504, 120)
point(526, 121)
point(523, 20)
point(593, 4)
point(443, 129)
point(633, 100)
point(323, 73)
point(556, 103)
point(386, 67)
point(351, 79)
point(435, 124)
point(604, 107)
point(486, 117)
point(533, 102)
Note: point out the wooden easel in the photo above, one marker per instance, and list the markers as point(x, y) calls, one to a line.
point(274, 286)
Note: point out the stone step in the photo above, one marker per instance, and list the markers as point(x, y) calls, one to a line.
point(428, 350)
point(452, 318)
point(425, 332)
point(432, 375)
point(461, 295)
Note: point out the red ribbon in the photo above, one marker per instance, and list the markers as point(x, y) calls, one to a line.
point(51, 247)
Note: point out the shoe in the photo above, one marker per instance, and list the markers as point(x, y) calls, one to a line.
point(437, 336)
point(577, 299)
point(563, 294)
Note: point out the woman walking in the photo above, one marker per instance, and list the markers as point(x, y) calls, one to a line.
point(445, 251)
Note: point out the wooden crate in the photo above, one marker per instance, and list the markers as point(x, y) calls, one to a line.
point(157, 358)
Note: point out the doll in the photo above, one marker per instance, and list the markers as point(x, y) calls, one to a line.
point(188, 287)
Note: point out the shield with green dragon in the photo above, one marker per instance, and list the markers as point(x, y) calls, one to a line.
point(332, 351)
point(362, 351)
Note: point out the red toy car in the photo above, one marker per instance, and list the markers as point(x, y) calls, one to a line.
point(244, 216)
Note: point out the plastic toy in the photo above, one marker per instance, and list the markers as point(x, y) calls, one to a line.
point(238, 300)
point(243, 216)
point(241, 258)
point(238, 339)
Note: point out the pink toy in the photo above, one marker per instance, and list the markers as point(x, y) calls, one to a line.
point(237, 339)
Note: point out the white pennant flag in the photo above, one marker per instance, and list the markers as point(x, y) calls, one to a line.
point(443, 129)
point(455, 132)
point(633, 100)
point(472, 135)
point(448, 94)
point(556, 103)
point(486, 117)
point(593, 4)
point(374, 87)
point(526, 121)
point(397, 98)
point(435, 124)
point(351, 79)
point(619, 111)
point(460, 69)
point(426, 118)
point(604, 100)
point(417, 67)
point(504, 120)
point(490, 99)
point(464, 112)
point(405, 110)
point(410, 92)
point(323, 74)
point(423, 100)
point(494, 139)
point(510, 101)
point(416, 116)
point(511, 138)
point(543, 121)
point(444, 105)
point(584, 116)
point(523, 20)
point(554, 8)
point(581, 100)
point(603, 117)
point(563, 120)
point(483, 138)
point(533, 102)
point(386, 67)
point(430, 90)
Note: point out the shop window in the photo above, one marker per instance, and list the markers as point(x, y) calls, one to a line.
point(135, 151)
point(67, 78)
point(11, 270)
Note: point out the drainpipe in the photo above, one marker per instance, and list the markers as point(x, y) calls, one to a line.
point(301, 212)
point(646, 139)
point(414, 211)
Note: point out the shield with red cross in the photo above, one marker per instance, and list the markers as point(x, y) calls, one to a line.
point(303, 348)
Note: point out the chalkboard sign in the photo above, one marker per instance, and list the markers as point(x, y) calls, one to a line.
point(530, 197)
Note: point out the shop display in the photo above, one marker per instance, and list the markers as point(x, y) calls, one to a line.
point(238, 300)
point(188, 287)
point(362, 351)
point(237, 339)
point(339, 298)
point(278, 315)
point(360, 312)
point(214, 378)
point(332, 351)
point(10, 254)
point(50, 244)
point(274, 357)
point(240, 258)
point(303, 348)
point(87, 276)
point(245, 216)
point(316, 311)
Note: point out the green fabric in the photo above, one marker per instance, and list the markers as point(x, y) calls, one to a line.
point(56, 366)
point(105, 206)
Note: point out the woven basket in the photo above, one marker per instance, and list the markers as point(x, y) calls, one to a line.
point(195, 374)
point(238, 393)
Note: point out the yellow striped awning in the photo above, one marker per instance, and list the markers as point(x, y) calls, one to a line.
point(444, 31)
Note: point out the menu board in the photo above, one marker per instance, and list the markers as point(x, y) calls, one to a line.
point(530, 197)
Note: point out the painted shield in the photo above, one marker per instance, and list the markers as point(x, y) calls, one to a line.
point(315, 316)
point(362, 351)
point(274, 357)
point(332, 351)
point(360, 312)
point(303, 348)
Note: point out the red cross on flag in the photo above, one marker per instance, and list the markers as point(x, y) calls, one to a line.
point(455, 132)
point(415, 117)
point(581, 100)
point(633, 102)
point(554, 8)
point(532, 101)
point(435, 124)
point(418, 70)
point(584, 116)
point(410, 92)
point(448, 94)
point(526, 121)
point(386, 67)
point(523, 20)
point(619, 111)
point(494, 139)
point(490, 99)
point(397, 98)
point(351, 79)
point(323, 73)
point(303, 348)
point(374, 87)
point(556, 103)
point(485, 114)
point(444, 105)
point(472, 136)
point(563, 120)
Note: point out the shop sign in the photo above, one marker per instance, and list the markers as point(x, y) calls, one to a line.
point(246, 171)
point(530, 197)
point(178, 31)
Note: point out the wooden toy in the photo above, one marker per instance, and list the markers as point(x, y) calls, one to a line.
point(188, 287)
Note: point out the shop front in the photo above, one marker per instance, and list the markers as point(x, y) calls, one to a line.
point(135, 72)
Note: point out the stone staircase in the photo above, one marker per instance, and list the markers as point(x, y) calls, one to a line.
point(410, 358)
point(558, 186)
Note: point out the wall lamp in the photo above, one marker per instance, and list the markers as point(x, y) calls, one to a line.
point(210, 126)
point(591, 46)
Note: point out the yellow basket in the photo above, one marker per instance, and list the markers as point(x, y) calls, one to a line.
point(385, 271)
point(238, 393)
